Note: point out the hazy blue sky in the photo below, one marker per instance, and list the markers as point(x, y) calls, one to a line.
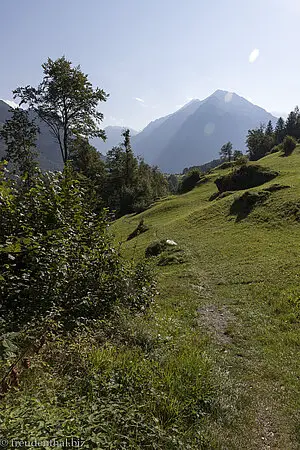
point(154, 55)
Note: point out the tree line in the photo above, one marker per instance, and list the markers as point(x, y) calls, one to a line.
point(66, 101)
point(265, 139)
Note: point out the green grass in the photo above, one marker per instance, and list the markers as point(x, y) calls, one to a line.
point(251, 267)
point(214, 362)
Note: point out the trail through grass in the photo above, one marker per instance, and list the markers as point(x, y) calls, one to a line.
point(239, 292)
point(213, 363)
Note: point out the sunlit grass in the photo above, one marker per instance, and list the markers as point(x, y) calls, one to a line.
point(248, 266)
point(162, 379)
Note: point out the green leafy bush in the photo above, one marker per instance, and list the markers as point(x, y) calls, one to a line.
point(245, 177)
point(289, 145)
point(56, 254)
point(189, 181)
point(226, 165)
point(155, 248)
point(241, 160)
point(113, 397)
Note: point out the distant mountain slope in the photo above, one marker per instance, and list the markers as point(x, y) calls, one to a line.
point(50, 155)
point(150, 142)
point(113, 138)
point(4, 111)
point(4, 115)
point(191, 136)
point(194, 134)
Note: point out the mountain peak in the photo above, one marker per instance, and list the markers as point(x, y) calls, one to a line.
point(225, 96)
point(219, 92)
point(191, 102)
point(229, 100)
point(195, 133)
point(194, 103)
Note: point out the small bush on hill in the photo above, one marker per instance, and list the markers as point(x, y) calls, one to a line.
point(289, 145)
point(168, 252)
point(226, 165)
point(156, 247)
point(241, 160)
point(244, 177)
point(56, 255)
point(189, 181)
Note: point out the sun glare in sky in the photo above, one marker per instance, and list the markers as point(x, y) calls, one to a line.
point(254, 55)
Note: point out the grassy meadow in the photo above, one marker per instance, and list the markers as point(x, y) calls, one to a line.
point(213, 363)
point(234, 303)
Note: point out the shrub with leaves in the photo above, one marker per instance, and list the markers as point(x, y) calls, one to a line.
point(289, 145)
point(56, 253)
point(189, 181)
point(244, 177)
point(241, 160)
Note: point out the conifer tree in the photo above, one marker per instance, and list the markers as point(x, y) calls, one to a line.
point(269, 129)
point(279, 130)
point(19, 134)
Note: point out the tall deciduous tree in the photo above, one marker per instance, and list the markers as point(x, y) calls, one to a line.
point(19, 134)
point(66, 101)
point(173, 183)
point(226, 151)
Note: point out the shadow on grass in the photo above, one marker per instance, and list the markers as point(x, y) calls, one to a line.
point(243, 205)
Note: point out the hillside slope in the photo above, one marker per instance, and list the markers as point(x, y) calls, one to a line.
point(238, 294)
point(220, 118)
point(157, 134)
